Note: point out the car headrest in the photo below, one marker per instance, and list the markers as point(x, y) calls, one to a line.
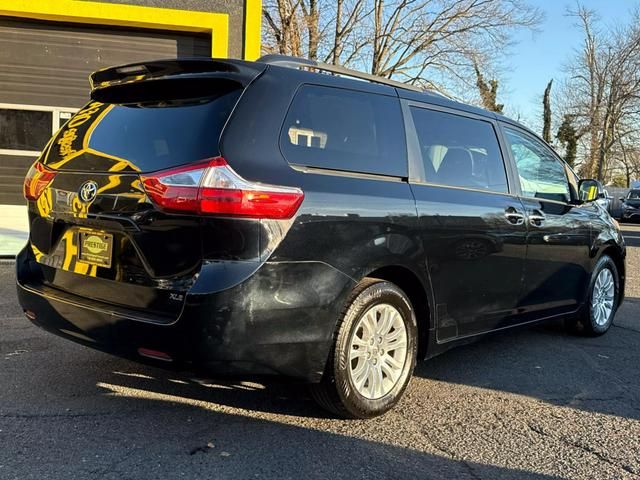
point(456, 168)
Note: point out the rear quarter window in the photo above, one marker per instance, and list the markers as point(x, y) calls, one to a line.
point(347, 130)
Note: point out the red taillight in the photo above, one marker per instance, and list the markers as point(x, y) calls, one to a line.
point(156, 354)
point(214, 188)
point(37, 179)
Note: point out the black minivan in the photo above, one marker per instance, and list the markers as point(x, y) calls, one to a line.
point(294, 218)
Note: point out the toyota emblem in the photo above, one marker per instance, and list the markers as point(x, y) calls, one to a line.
point(88, 191)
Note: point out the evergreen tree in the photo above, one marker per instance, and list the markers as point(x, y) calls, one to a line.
point(488, 91)
point(546, 104)
point(568, 137)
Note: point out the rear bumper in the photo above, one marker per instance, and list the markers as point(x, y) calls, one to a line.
point(279, 320)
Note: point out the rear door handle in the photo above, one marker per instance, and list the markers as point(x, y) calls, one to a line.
point(537, 218)
point(514, 216)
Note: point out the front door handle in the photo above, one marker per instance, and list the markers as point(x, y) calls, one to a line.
point(537, 218)
point(514, 216)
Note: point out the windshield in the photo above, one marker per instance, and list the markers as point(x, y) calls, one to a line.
point(634, 195)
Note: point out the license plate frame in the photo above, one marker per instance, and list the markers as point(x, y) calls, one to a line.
point(95, 248)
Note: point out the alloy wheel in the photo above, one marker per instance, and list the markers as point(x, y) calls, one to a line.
point(602, 298)
point(378, 351)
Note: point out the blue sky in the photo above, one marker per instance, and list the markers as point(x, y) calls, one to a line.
point(537, 57)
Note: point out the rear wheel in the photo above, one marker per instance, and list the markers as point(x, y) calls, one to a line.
point(374, 352)
point(601, 303)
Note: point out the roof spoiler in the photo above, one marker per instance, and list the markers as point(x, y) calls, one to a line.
point(231, 70)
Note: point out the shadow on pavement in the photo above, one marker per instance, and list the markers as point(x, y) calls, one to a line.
point(631, 236)
point(168, 423)
point(544, 362)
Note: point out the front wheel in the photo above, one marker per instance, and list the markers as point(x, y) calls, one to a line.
point(373, 355)
point(601, 304)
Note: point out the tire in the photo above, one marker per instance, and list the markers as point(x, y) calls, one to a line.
point(588, 320)
point(341, 390)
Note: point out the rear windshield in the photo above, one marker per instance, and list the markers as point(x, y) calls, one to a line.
point(142, 137)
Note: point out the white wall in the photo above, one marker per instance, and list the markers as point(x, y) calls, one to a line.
point(14, 229)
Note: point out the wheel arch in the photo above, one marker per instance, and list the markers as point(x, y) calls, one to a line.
point(615, 253)
point(418, 293)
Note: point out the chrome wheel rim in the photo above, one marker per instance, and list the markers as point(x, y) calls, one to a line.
point(377, 351)
point(602, 297)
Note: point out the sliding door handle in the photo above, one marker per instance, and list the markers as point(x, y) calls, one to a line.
point(537, 218)
point(514, 216)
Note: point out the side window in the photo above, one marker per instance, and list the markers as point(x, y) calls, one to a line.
point(541, 174)
point(345, 130)
point(459, 151)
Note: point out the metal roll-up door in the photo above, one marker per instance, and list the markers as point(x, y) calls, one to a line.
point(46, 65)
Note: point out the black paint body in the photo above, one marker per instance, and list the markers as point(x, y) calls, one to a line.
point(631, 206)
point(248, 296)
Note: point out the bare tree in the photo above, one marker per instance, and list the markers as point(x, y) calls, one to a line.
point(348, 18)
point(283, 19)
point(428, 42)
point(630, 164)
point(603, 89)
point(621, 95)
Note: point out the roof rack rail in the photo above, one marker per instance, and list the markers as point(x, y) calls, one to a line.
point(296, 62)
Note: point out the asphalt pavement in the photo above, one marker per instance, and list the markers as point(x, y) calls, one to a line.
point(534, 403)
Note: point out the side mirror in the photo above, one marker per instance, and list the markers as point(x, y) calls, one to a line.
point(587, 190)
point(622, 199)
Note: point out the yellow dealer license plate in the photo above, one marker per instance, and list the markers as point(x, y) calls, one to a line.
point(95, 248)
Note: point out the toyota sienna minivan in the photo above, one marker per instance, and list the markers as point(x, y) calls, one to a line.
point(293, 218)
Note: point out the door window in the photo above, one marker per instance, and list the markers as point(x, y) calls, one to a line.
point(541, 174)
point(343, 129)
point(459, 151)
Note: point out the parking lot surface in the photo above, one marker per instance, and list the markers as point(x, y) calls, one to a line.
point(534, 403)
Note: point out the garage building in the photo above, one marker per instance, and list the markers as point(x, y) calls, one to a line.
point(48, 48)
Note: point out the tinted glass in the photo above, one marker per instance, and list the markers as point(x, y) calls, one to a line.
point(345, 130)
point(634, 195)
point(459, 151)
point(541, 173)
point(158, 137)
point(24, 129)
